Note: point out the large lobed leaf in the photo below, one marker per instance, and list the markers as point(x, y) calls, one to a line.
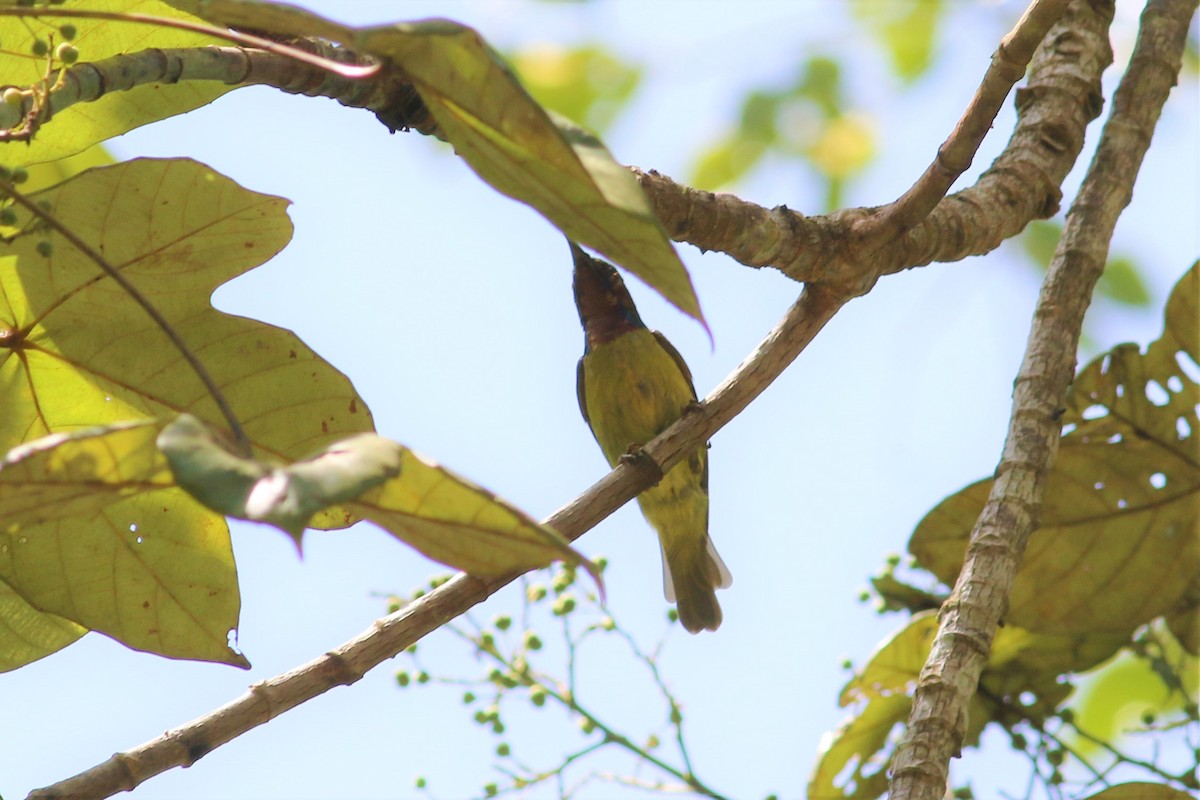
point(1119, 541)
point(148, 567)
point(94, 533)
point(82, 125)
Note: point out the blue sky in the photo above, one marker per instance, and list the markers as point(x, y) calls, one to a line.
point(450, 308)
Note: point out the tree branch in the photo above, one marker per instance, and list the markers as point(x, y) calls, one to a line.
point(854, 247)
point(969, 618)
point(391, 635)
point(825, 252)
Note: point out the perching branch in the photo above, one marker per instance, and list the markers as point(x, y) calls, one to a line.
point(970, 617)
point(810, 249)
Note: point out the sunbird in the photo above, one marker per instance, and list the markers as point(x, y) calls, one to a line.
point(632, 384)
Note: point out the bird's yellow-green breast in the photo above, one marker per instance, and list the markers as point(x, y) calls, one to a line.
point(632, 385)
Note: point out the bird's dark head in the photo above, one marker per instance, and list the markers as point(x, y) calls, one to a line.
point(605, 307)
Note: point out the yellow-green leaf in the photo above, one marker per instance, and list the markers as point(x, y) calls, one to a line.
point(512, 143)
point(1119, 542)
point(95, 533)
point(82, 125)
point(452, 520)
point(76, 351)
point(27, 634)
point(852, 761)
point(894, 666)
point(503, 134)
point(441, 514)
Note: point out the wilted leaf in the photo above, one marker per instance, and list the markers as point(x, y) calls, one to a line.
point(452, 520)
point(441, 514)
point(95, 533)
point(1118, 543)
point(82, 125)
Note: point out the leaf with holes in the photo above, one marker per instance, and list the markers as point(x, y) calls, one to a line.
point(441, 514)
point(96, 533)
point(82, 125)
point(1119, 542)
point(76, 351)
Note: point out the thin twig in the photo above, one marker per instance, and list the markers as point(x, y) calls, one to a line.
point(392, 634)
point(970, 617)
point(240, 439)
point(955, 155)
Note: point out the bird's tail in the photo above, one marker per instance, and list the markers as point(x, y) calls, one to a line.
point(691, 577)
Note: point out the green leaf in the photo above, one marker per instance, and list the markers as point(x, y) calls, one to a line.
point(27, 634)
point(513, 144)
point(441, 514)
point(82, 125)
point(1123, 498)
point(588, 84)
point(509, 140)
point(76, 351)
point(95, 533)
point(906, 28)
point(1122, 282)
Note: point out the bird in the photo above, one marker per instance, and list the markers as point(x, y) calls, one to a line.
point(632, 384)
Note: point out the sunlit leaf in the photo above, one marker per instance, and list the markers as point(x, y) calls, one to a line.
point(1118, 543)
point(27, 634)
point(503, 134)
point(76, 351)
point(452, 520)
point(441, 514)
point(95, 533)
point(82, 125)
point(562, 171)
point(852, 761)
point(1113, 699)
point(894, 666)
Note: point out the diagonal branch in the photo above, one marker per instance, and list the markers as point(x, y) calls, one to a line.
point(391, 635)
point(813, 249)
point(955, 155)
point(970, 617)
point(240, 439)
